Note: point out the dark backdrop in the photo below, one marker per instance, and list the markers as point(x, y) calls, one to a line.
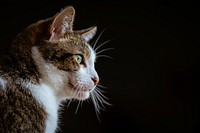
point(153, 81)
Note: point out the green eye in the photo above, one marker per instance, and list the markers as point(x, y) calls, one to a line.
point(79, 58)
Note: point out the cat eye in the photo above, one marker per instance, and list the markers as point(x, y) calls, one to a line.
point(78, 58)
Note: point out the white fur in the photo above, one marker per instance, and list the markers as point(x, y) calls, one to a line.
point(91, 69)
point(45, 96)
point(2, 83)
point(53, 81)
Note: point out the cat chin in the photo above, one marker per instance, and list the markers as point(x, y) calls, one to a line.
point(81, 94)
point(80, 91)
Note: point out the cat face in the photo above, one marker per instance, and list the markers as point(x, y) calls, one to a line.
point(83, 79)
point(74, 58)
point(66, 60)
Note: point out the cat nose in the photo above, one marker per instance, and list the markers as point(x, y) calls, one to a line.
point(95, 80)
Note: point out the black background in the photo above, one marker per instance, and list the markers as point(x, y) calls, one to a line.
point(153, 81)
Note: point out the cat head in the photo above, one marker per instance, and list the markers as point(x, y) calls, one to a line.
point(65, 59)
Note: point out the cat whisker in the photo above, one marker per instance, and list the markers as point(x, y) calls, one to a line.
point(96, 105)
point(103, 97)
point(101, 45)
point(103, 50)
point(100, 90)
point(95, 102)
point(73, 94)
point(107, 56)
point(101, 86)
point(79, 95)
point(99, 100)
point(76, 92)
point(95, 43)
point(77, 107)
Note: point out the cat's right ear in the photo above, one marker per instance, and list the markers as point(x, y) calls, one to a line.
point(62, 23)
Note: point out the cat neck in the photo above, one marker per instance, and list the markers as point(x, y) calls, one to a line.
point(46, 97)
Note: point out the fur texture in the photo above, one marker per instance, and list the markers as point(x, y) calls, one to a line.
point(47, 63)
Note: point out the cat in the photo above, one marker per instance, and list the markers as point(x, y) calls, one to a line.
point(46, 64)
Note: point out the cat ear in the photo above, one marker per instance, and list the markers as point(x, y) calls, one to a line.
point(87, 34)
point(62, 22)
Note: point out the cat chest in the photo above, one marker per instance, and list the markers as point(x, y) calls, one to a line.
point(46, 98)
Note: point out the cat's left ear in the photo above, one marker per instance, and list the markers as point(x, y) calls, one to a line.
point(62, 23)
point(87, 34)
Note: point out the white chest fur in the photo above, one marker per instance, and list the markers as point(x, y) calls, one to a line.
point(45, 96)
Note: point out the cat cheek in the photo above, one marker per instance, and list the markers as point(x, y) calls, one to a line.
point(75, 65)
point(72, 66)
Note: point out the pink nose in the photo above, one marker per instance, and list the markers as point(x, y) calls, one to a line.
point(95, 80)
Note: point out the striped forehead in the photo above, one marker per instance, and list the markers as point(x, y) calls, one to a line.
point(75, 44)
point(72, 38)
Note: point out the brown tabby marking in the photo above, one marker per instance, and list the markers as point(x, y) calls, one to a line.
point(41, 63)
point(16, 106)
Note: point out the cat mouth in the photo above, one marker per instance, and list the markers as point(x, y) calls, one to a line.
point(80, 87)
